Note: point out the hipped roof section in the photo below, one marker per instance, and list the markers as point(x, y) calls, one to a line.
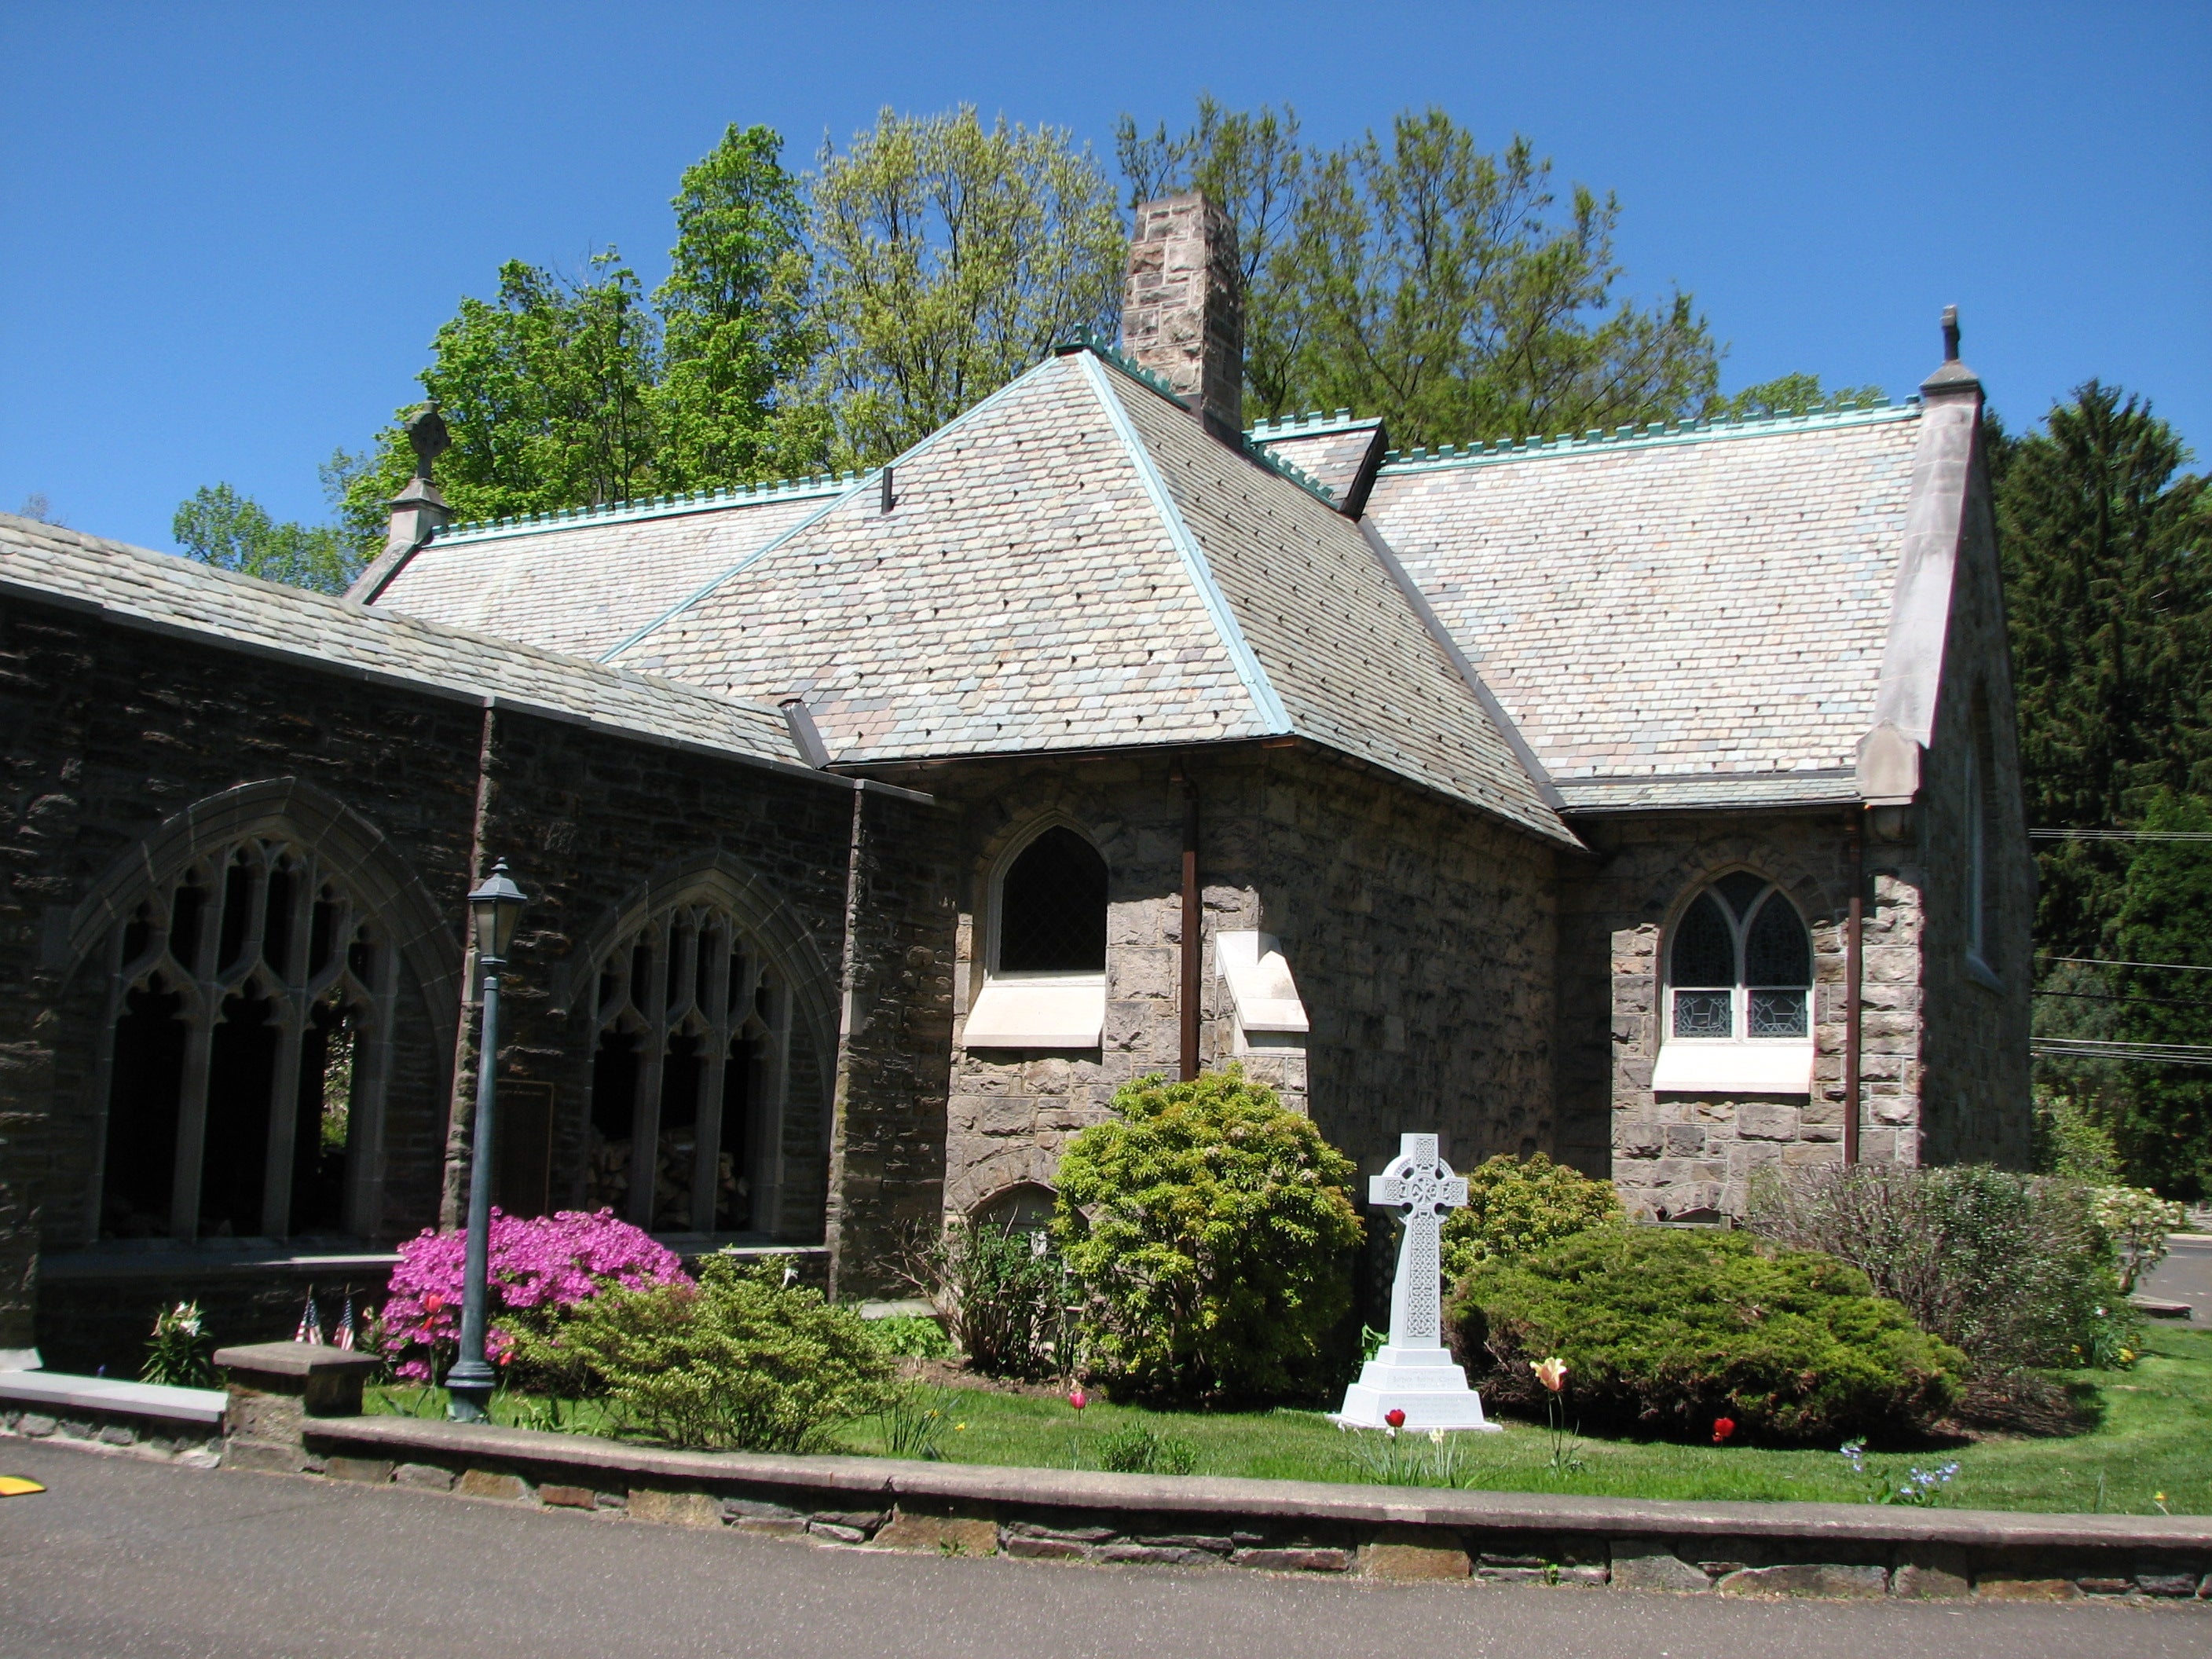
point(1075, 565)
point(162, 593)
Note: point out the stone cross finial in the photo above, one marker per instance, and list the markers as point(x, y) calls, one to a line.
point(1950, 334)
point(1421, 1180)
point(428, 436)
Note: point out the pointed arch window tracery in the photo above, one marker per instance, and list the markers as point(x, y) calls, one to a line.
point(693, 1026)
point(249, 1030)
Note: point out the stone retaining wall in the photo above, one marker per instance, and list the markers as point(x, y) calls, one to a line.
point(195, 1445)
point(1731, 1549)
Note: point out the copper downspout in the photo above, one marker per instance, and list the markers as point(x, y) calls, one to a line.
point(1854, 942)
point(1193, 922)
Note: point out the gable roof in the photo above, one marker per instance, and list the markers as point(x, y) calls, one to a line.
point(1705, 610)
point(163, 594)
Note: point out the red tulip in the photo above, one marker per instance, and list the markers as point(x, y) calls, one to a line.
point(1395, 1417)
point(1723, 1428)
point(1079, 1399)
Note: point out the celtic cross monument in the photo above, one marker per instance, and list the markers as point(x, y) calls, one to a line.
point(1413, 1372)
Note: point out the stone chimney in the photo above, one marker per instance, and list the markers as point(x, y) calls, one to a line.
point(419, 510)
point(1182, 311)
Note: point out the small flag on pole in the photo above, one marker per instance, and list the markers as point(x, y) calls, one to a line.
point(311, 1321)
point(345, 1339)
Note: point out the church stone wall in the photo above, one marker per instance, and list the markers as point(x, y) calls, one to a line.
point(111, 732)
point(1420, 935)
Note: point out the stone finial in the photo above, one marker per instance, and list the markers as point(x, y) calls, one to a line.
point(1953, 380)
point(419, 510)
point(1183, 310)
point(428, 436)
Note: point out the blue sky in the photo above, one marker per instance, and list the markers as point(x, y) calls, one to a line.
point(234, 229)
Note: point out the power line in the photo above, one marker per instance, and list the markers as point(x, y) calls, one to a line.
point(2107, 962)
point(2123, 996)
point(2119, 834)
point(2161, 1053)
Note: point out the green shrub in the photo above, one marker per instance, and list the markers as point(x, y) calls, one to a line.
point(1000, 1290)
point(911, 1336)
point(1138, 1450)
point(2013, 1269)
point(739, 1361)
point(1665, 1330)
point(1514, 1207)
point(182, 1352)
point(2067, 1142)
point(1210, 1229)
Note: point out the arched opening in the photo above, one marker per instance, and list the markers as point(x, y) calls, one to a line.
point(1044, 980)
point(687, 1077)
point(1740, 966)
point(245, 1056)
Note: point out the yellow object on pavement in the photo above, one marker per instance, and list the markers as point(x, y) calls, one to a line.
point(15, 1486)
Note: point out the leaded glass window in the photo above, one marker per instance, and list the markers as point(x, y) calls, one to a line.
point(1740, 966)
point(1052, 907)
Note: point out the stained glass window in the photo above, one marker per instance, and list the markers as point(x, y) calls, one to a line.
point(1740, 953)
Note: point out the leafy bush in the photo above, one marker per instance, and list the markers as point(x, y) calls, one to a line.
point(1000, 1291)
point(182, 1352)
point(1663, 1331)
point(541, 1268)
point(2136, 1222)
point(2013, 1269)
point(741, 1360)
point(1209, 1228)
point(911, 1336)
point(2071, 1144)
point(1514, 1207)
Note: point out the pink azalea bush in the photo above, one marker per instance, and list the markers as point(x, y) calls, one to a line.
point(540, 1268)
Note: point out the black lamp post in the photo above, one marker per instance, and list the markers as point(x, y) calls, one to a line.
point(494, 911)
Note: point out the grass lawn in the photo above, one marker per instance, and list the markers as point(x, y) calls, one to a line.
point(2156, 1437)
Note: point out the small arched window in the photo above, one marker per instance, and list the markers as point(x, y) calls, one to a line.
point(1044, 982)
point(1052, 907)
point(1741, 968)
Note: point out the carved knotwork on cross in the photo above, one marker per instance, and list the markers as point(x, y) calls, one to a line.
point(1419, 1179)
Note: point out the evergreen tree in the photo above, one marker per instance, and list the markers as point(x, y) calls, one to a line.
point(2108, 570)
point(2161, 1114)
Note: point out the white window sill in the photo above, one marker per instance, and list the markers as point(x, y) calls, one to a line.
point(1264, 997)
point(1762, 1066)
point(1065, 1013)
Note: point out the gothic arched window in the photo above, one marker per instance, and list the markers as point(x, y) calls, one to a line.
point(249, 1025)
point(694, 1026)
point(1740, 966)
point(1044, 982)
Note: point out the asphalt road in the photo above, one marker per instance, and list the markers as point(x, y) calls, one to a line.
point(2185, 1275)
point(122, 1560)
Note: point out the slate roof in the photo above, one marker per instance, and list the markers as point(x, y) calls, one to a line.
point(1712, 601)
point(1074, 565)
point(176, 595)
point(1327, 448)
point(610, 571)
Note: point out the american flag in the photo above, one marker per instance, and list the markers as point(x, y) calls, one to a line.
point(311, 1321)
point(344, 1338)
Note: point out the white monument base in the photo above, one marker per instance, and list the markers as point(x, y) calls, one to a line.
point(1425, 1382)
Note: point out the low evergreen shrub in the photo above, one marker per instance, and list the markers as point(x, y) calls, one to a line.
point(1209, 1230)
point(1664, 1331)
point(1514, 1206)
point(911, 1336)
point(741, 1361)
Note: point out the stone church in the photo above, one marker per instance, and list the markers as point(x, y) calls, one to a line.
point(1647, 797)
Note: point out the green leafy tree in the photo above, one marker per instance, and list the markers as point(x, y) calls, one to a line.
point(1793, 394)
point(1209, 1227)
point(738, 337)
point(2107, 550)
point(1424, 280)
point(219, 526)
point(952, 257)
